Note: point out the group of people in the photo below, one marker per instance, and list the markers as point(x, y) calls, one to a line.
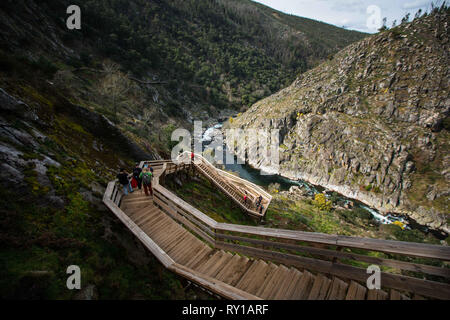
point(140, 177)
point(258, 203)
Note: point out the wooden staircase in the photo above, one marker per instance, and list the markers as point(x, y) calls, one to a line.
point(230, 189)
point(245, 262)
point(258, 278)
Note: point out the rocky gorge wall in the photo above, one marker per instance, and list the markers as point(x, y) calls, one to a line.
point(372, 123)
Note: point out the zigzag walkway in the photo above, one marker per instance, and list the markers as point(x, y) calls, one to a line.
point(242, 262)
point(256, 277)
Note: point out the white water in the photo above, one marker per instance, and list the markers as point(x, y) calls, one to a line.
point(208, 136)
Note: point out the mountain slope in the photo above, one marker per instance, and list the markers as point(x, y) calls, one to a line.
point(373, 123)
point(214, 54)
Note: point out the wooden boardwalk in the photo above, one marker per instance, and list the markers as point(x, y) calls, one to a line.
point(234, 187)
point(218, 256)
point(265, 280)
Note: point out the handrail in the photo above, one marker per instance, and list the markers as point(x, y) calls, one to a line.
point(316, 251)
point(214, 176)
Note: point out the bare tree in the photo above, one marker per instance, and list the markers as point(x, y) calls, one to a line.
point(114, 85)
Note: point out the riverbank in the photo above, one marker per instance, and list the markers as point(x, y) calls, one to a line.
point(249, 172)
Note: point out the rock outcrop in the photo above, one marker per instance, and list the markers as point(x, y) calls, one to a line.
point(372, 123)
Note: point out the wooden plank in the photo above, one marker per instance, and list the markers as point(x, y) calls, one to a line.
point(376, 294)
point(238, 271)
point(356, 292)
point(282, 293)
point(213, 271)
point(186, 207)
point(144, 238)
point(273, 269)
point(211, 262)
point(228, 268)
point(256, 271)
point(177, 216)
point(177, 236)
point(395, 295)
point(260, 278)
point(212, 284)
point(291, 289)
point(326, 253)
point(205, 251)
point(180, 212)
point(275, 283)
point(199, 245)
point(319, 288)
point(420, 286)
point(387, 246)
point(252, 264)
point(338, 290)
point(182, 250)
point(304, 286)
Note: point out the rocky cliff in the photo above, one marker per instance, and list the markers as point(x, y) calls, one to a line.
point(373, 122)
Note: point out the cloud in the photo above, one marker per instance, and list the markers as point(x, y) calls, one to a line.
point(416, 4)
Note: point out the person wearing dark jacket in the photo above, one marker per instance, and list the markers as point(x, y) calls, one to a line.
point(123, 180)
point(136, 173)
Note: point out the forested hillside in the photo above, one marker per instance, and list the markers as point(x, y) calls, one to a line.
point(213, 54)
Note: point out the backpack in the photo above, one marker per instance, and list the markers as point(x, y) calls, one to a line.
point(147, 178)
point(136, 173)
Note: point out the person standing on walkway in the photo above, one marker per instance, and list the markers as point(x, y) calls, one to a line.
point(146, 177)
point(123, 180)
point(136, 173)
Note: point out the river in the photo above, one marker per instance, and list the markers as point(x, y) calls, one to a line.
point(253, 175)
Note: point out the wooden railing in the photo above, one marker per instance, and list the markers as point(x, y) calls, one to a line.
point(414, 267)
point(112, 198)
point(224, 181)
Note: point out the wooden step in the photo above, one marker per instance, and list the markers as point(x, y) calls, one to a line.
point(303, 288)
point(182, 250)
point(153, 218)
point(256, 271)
point(199, 263)
point(138, 213)
point(297, 276)
point(211, 261)
point(375, 294)
point(320, 288)
point(198, 257)
point(147, 219)
point(144, 215)
point(338, 290)
point(282, 293)
point(159, 224)
point(273, 285)
point(183, 258)
point(213, 271)
point(273, 269)
point(131, 212)
point(356, 291)
point(228, 268)
point(265, 274)
point(239, 271)
point(171, 237)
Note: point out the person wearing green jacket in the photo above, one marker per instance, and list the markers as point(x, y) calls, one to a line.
point(146, 177)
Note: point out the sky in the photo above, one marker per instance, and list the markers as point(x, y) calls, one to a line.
point(361, 15)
